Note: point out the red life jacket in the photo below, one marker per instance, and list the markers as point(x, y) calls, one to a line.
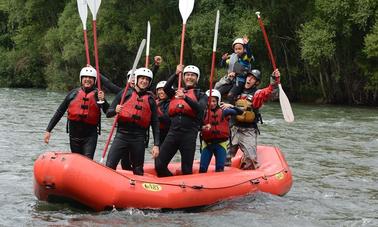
point(84, 108)
point(179, 106)
point(136, 110)
point(219, 126)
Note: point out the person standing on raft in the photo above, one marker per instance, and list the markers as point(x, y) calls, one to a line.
point(162, 102)
point(244, 130)
point(84, 115)
point(136, 114)
point(186, 110)
point(216, 132)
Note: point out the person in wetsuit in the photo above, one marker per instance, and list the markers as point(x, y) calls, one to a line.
point(84, 114)
point(162, 102)
point(186, 109)
point(136, 114)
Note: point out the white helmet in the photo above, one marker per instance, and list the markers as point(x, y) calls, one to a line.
point(161, 84)
point(143, 72)
point(192, 69)
point(238, 41)
point(129, 73)
point(214, 93)
point(88, 71)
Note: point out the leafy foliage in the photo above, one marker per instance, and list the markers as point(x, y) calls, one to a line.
point(325, 50)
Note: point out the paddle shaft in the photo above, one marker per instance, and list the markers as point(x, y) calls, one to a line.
point(114, 123)
point(182, 53)
point(86, 47)
point(96, 55)
point(147, 61)
point(268, 46)
point(148, 44)
point(211, 82)
point(213, 61)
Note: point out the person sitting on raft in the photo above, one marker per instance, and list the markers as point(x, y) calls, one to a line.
point(84, 115)
point(136, 114)
point(186, 110)
point(244, 130)
point(216, 131)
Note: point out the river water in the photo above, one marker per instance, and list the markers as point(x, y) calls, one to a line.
point(332, 151)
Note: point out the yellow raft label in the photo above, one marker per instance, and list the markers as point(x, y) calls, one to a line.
point(152, 187)
point(280, 176)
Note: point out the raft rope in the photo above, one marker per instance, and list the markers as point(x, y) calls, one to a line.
point(253, 181)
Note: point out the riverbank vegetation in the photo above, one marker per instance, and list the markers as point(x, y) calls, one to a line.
point(327, 51)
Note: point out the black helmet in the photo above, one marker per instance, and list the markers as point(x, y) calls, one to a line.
point(256, 73)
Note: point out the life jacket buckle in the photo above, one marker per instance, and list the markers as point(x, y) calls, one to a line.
point(180, 106)
point(140, 99)
point(83, 115)
point(84, 107)
point(138, 107)
point(136, 117)
point(85, 99)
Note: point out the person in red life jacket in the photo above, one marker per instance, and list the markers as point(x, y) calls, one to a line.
point(162, 103)
point(186, 109)
point(125, 161)
point(216, 131)
point(84, 114)
point(244, 130)
point(136, 114)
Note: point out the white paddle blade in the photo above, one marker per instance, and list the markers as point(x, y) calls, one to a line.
point(94, 5)
point(186, 8)
point(137, 58)
point(216, 32)
point(285, 106)
point(83, 12)
point(148, 39)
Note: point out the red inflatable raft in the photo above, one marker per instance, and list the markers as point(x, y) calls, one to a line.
point(72, 176)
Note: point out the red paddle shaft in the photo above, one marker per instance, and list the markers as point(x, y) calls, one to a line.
point(268, 45)
point(96, 55)
point(182, 53)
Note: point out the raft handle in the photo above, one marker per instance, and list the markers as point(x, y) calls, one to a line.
point(255, 181)
point(50, 186)
point(197, 186)
point(132, 182)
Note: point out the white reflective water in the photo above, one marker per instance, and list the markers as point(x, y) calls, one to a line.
point(333, 152)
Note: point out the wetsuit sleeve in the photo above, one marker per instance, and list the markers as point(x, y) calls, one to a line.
point(224, 63)
point(109, 85)
point(154, 122)
point(248, 51)
point(232, 111)
point(105, 106)
point(261, 96)
point(168, 86)
point(154, 68)
point(112, 108)
point(60, 111)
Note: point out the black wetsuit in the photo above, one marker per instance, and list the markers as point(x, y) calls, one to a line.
point(83, 136)
point(129, 141)
point(164, 120)
point(182, 134)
